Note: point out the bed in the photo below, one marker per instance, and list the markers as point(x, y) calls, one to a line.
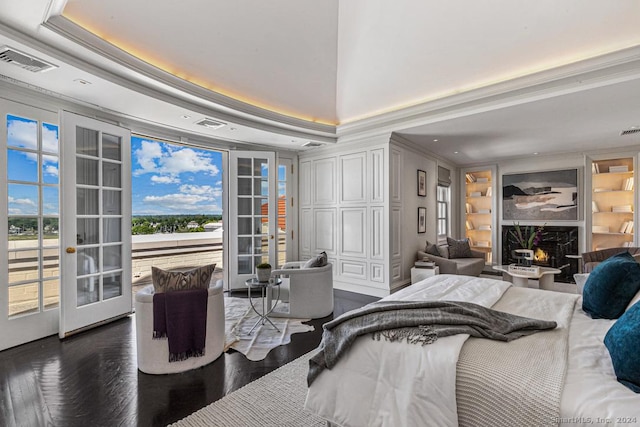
point(558, 377)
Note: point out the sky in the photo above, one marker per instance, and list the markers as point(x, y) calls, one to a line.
point(170, 179)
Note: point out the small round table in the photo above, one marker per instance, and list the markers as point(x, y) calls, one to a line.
point(521, 278)
point(267, 304)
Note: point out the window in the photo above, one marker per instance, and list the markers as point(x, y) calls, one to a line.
point(442, 204)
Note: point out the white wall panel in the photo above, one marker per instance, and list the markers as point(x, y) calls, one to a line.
point(353, 223)
point(395, 175)
point(377, 233)
point(306, 232)
point(325, 230)
point(355, 269)
point(396, 271)
point(377, 175)
point(396, 235)
point(305, 183)
point(324, 181)
point(353, 178)
point(377, 272)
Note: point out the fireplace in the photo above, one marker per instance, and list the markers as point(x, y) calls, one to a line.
point(557, 242)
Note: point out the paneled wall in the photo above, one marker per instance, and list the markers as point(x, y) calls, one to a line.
point(343, 200)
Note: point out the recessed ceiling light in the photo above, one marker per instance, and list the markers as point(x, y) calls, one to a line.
point(82, 81)
point(435, 140)
point(535, 154)
point(456, 152)
point(232, 128)
point(186, 116)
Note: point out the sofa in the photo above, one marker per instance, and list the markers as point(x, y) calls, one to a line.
point(472, 266)
point(593, 258)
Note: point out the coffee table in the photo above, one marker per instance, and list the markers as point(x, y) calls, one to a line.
point(267, 304)
point(521, 278)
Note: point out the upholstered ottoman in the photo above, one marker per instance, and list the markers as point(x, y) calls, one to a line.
point(153, 354)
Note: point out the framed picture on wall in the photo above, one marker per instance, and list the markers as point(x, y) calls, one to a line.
point(422, 220)
point(541, 196)
point(422, 183)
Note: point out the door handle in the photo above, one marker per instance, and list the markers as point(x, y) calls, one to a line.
point(271, 237)
point(70, 250)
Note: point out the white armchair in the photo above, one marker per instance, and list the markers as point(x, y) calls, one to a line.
point(309, 291)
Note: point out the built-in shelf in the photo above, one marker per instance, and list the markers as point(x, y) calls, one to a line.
point(479, 197)
point(610, 189)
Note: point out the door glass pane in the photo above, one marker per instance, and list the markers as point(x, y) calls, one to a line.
point(23, 266)
point(50, 230)
point(245, 265)
point(244, 167)
point(22, 166)
point(21, 132)
point(88, 261)
point(50, 166)
point(112, 256)
point(51, 290)
point(23, 232)
point(111, 175)
point(50, 201)
point(88, 231)
point(257, 245)
point(50, 138)
point(50, 263)
point(112, 285)
point(261, 167)
point(244, 225)
point(112, 230)
point(23, 199)
point(244, 245)
point(87, 290)
point(86, 171)
point(244, 206)
point(87, 141)
point(24, 299)
point(111, 147)
point(111, 204)
point(261, 187)
point(87, 201)
point(261, 206)
point(244, 186)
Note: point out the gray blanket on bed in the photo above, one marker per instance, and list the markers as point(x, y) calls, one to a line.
point(444, 318)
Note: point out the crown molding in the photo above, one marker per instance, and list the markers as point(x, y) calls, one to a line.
point(142, 77)
point(611, 68)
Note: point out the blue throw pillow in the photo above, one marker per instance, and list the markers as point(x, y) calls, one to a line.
point(623, 341)
point(611, 286)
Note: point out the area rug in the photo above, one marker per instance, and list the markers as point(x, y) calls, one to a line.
point(277, 399)
point(240, 318)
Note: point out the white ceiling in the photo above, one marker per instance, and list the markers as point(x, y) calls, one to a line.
point(284, 72)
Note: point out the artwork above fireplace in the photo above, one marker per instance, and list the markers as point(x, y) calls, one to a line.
point(557, 242)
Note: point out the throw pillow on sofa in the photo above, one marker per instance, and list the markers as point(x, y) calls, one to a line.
point(432, 249)
point(611, 286)
point(169, 281)
point(317, 261)
point(459, 248)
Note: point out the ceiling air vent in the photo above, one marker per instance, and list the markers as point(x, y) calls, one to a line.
point(632, 130)
point(311, 144)
point(23, 60)
point(211, 124)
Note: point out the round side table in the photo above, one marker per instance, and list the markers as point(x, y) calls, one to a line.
point(267, 304)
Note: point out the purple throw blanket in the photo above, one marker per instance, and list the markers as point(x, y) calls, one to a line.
point(181, 317)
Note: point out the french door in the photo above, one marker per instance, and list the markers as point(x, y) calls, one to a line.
point(252, 214)
point(96, 222)
point(29, 224)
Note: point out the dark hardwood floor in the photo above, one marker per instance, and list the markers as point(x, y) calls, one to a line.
point(92, 379)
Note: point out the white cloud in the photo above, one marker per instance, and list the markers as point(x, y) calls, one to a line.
point(49, 140)
point(166, 160)
point(51, 170)
point(175, 199)
point(22, 134)
point(23, 202)
point(157, 179)
point(196, 189)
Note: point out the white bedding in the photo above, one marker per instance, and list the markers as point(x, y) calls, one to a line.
point(401, 396)
point(591, 394)
point(382, 384)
